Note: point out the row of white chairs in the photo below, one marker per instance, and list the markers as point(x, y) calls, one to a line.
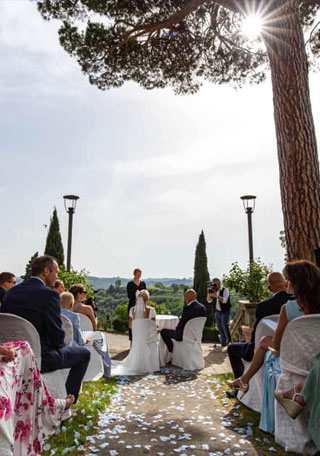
point(299, 346)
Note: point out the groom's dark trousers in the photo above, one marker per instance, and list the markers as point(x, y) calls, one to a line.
point(193, 310)
point(40, 305)
point(239, 351)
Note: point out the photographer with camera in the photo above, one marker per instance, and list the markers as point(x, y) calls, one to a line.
point(220, 297)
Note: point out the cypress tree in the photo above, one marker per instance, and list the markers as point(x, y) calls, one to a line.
point(201, 276)
point(54, 246)
point(27, 274)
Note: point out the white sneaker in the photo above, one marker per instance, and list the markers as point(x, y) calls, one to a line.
point(224, 349)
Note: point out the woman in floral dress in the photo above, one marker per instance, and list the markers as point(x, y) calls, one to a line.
point(28, 413)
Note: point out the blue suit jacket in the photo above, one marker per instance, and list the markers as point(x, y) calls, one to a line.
point(40, 305)
point(194, 310)
point(2, 293)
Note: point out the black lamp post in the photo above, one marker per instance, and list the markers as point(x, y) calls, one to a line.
point(70, 203)
point(249, 202)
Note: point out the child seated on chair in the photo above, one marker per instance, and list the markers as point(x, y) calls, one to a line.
point(66, 305)
point(99, 344)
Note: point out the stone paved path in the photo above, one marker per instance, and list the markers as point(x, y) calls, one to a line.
point(171, 413)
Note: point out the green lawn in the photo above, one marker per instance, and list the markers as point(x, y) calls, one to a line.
point(246, 419)
point(71, 438)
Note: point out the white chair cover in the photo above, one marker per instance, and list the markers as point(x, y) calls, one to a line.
point(253, 398)
point(85, 322)
point(299, 345)
point(14, 328)
point(188, 352)
point(95, 368)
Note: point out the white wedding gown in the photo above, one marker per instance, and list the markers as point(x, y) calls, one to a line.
point(143, 357)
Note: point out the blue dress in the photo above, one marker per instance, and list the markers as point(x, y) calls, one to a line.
point(271, 369)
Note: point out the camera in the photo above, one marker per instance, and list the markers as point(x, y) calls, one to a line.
point(212, 287)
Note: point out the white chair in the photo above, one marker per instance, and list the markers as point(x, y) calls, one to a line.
point(299, 345)
point(85, 322)
point(253, 397)
point(95, 368)
point(188, 352)
point(13, 328)
point(144, 350)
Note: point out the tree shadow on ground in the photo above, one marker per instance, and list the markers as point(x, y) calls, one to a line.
point(215, 356)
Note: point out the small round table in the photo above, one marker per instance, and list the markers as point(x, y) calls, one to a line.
point(166, 321)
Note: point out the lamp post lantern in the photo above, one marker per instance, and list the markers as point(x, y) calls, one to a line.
point(70, 203)
point(249, 202)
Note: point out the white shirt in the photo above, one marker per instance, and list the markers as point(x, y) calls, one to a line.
point(35, 277)
point(225, 295)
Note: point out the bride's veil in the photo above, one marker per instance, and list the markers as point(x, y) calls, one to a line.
point(139, 309)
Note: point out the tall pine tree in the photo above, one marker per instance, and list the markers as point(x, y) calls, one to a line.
point(201, 276)
point(27, 273)
point(54, 244)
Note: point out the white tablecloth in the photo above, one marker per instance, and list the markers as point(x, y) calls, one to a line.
point(166, 321)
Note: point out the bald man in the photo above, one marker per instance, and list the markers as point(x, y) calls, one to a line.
point(271, 306)
point(192, 309)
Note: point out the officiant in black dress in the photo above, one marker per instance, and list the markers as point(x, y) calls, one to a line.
point(132, 287)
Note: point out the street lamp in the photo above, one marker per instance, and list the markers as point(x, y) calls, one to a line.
point(249, 202)
point(70, 203)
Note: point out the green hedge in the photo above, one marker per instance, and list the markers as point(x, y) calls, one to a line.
point(210, 334)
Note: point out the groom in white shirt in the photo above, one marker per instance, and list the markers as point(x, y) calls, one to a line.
point(192, 309)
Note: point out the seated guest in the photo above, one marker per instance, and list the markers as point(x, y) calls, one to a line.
point(35, 301)
point(304, 281)
point(28, 414)
point(99, 342)
point(7, 281)
point(192, 309)
point(305, 393)
point(238, 351)
point(79, 292)
point(58, 286)
point(141, 309)
point(66, 304)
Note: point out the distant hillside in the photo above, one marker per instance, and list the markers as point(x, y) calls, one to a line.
point(105, 282)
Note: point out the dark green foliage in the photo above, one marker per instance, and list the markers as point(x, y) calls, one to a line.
point(27, 273)
point(54, 244)
point(73, 277)
point(120, 318)
point(201, 276)
point(252, 283)
point(113, 305)
point(163, 43)
point(210, 334)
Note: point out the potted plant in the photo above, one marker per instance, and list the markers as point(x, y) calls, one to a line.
point(252, 284)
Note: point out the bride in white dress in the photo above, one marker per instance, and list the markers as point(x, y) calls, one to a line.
point(143, 357)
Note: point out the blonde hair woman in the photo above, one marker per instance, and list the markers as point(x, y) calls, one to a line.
point(141, 309)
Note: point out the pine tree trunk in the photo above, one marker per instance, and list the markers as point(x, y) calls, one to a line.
point(296, 139)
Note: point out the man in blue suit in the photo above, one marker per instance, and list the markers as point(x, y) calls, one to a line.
point(192, 309)
point(35, 301)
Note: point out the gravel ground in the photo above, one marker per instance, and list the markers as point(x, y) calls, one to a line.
point(174, 412)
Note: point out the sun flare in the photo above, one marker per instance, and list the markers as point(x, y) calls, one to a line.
point(252, 26)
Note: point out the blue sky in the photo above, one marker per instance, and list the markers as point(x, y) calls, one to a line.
point(152, 169)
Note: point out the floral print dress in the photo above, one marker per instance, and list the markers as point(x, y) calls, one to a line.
point(28, 413)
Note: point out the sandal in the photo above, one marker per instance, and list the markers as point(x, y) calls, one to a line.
point(242, 387)
point(291, 406)
point(69, 401)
